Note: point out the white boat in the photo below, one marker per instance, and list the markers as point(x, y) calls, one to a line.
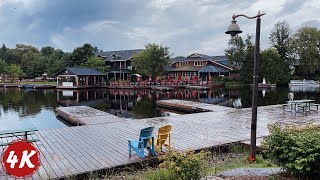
point(310, 83)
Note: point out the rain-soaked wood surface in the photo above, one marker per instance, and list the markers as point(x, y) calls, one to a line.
point(82, 149)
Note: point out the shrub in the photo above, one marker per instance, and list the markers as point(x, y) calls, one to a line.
point(185, 165)
point(296, 149)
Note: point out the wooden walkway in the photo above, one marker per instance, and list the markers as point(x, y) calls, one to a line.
point(82, 149)
point(190, 106)
point(84, 115)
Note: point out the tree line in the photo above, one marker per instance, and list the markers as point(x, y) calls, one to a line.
point(26, 61)
point(287, 50)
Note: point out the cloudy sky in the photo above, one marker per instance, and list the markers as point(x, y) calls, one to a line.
point(186, 26)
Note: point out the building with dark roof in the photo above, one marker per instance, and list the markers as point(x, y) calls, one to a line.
point(199, 64)
point(75, 78)
point(119, 62)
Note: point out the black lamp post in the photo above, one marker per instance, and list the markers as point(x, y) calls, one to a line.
point(233, 30)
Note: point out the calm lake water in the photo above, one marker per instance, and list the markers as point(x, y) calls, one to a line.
point(36, 108)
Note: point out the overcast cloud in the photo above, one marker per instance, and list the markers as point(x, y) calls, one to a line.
point(186, 26)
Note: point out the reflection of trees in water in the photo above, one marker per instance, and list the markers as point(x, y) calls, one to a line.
point(272, 96)
point(146, 108)
point(102, 106)
point(27, 102)
point(142, 103)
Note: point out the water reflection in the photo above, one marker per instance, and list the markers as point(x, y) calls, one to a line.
point(21, 108)
point(304, 89)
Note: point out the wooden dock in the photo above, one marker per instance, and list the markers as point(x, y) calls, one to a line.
point(37, 86)
point(161, 88)
point(9, 85)
point(190, 106)
point(82, 149)
point(84, 115)
point(197, 87)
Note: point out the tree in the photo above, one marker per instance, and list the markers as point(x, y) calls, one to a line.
point(47, 50)
point(3, 52)
point(33, 64)
point(246, 70)
point(23, 48)
point(81, 54)
point(13, 56)
point(14, 71)
point(152, 60)
point(3, 66)
point(307, 47)
point(236, 51)
point(96, 63)
point(280, 38)
point(56, 61)
point(273, 68)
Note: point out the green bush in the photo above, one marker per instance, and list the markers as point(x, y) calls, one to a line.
point(296, 149)
point(185, 165)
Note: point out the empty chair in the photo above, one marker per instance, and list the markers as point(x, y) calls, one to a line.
point(164, 134)
point(138, 146)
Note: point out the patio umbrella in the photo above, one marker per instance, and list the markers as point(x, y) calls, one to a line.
point(179, 77)
point(138, 75)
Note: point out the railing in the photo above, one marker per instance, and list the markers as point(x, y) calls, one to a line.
point(164, 83)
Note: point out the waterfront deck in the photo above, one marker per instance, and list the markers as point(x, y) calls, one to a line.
point(190, 106)
point(84, 115)
point(82, 149)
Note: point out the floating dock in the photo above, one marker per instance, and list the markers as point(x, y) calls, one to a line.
point(9, 85)
point(83, 149)
point(37, 86)
point(161, 88)
point(190, 106)
point(197, 87)
point(84, 115)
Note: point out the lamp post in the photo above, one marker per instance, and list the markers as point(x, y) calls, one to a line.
point(233, 30)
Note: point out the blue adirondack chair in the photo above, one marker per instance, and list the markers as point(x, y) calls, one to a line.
point(139, 146)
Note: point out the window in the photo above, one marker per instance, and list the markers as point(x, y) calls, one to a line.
point(198, 63)
point(183, 63)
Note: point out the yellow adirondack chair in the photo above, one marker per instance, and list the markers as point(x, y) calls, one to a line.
point(164, 133)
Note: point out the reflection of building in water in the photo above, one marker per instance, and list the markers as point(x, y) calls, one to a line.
point(80, 97)
point(125, 99)
point(304, 89)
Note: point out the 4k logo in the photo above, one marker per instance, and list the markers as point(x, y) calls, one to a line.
point(20, 159)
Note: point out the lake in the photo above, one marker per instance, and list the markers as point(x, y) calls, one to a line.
point(36, 108)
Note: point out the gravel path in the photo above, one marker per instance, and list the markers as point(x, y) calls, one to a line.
point(251, 172)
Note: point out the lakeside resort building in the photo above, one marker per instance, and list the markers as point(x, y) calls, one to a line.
point(119, 62)
point(196, 64)
point(77, 78)
point(201, 65)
